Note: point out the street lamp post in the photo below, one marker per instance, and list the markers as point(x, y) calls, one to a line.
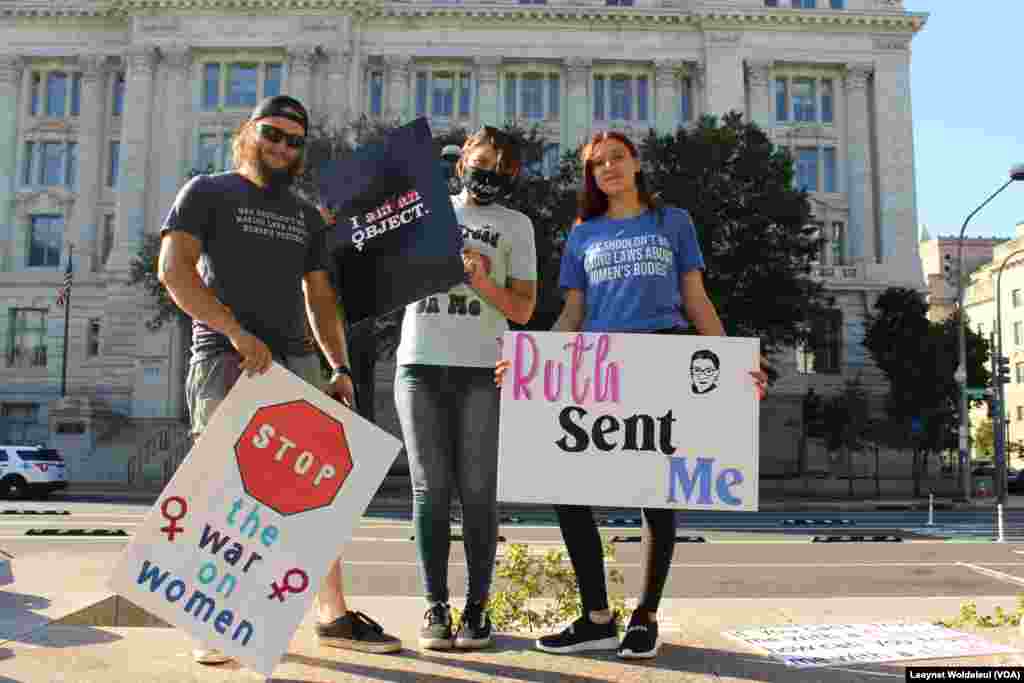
point(1016, 173)
point(1000, 387)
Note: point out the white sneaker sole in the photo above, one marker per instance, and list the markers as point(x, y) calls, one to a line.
point(210, 657)
point(360, 645)
point(436, 643)
point(474, 643)
point(609, 643)
point(650, 654)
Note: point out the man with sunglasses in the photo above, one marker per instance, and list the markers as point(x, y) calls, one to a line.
point(246, 259)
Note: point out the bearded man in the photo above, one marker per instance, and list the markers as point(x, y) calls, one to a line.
point(246, 258)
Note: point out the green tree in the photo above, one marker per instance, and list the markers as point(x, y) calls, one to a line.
point(846, 420)
point(753, 226)
point(919, 359)
point(985, 438)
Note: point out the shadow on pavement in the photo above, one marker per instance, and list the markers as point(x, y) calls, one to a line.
point(19, 623)
point(509, 660)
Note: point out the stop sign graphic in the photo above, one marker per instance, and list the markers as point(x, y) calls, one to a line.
point(293, 457)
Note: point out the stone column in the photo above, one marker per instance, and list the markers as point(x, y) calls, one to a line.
point(339, 107)
point(398, 88)
point(860, 184)
point(666, 95)
point(300, 74)
point(90, 172)
point(581, 109)
point(759, 80)
point(176, 129)
point(894, 132)
point(699, 81)
point(487, 107)
point(136, 135)
point(725, 73)
point(11, 70)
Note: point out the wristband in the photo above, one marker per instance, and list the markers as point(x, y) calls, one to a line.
point(341, 371)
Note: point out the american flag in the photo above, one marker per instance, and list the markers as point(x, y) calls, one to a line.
point(64, 293)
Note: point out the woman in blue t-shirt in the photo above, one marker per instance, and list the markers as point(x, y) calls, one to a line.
point(617, 214)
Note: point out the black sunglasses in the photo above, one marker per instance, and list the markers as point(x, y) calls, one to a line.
point(272, 134)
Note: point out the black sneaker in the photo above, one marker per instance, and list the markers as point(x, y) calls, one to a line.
point(356, 631)
point(474, 628)
point(641, 641)
point(582, 635)
point(436, 633)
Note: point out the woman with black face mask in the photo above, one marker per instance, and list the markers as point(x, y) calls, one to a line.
point(444, 394)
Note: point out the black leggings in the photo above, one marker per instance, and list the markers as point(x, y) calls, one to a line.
point(579, 530)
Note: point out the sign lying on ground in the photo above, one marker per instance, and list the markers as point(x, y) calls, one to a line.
point(629, 420)
point(824, 645)
point(240, 539)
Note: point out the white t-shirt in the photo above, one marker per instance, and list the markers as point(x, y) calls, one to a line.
point(460, 327)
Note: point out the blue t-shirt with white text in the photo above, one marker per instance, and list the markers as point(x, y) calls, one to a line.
point(629, 269)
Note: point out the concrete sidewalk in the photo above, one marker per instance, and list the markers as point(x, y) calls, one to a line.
point(45, 637)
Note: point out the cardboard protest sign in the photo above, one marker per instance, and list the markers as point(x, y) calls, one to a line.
point(240, 539)
point(629, 420)
point(395, 239)
point(822, 645)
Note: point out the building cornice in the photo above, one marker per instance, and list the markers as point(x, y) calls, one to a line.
point(789, 19)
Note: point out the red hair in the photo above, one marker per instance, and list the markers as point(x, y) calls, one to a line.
point(592, 201)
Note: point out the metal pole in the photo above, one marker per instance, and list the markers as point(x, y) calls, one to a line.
point(965, 468)
point(67, 320)
point(999, 520)
point(931, 509)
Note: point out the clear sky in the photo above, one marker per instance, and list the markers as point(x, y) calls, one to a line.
point(968, 101)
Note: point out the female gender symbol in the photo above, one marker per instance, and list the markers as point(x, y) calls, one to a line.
point(173, 529)
point(286, 585)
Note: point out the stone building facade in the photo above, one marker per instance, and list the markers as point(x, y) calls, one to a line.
point(106, 104)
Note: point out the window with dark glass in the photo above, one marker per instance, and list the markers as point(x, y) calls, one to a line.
point(51, 168)
point(113, 169)
point(807, 169)
point(118, 104)
point(621, 98)
point(376, 93)
point(599, 98)
point(242, 85)
point(26, 163)
point(510, 97)
point(443, 94)
point(641, 98)
point(56, 93)
point(465, 95)
point(27, 345)
point(272, 84)
point(533, 96)
point(804, 103)
point(554, 96)
point(211, 86)
point(76, 94)
point(46, 233)
point(829, 161)
point(781, 99)
point(34, 88)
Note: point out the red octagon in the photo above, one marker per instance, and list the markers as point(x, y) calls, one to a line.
point(293, 457)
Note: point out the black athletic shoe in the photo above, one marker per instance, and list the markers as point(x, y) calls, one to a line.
point(356, 631)
point(474, 628)
point(436, 633)
point(582, 635)
point(641, 641)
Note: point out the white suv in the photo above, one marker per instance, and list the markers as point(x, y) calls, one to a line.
point(30, 470)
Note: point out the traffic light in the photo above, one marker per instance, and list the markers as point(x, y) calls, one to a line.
point(1002, 374)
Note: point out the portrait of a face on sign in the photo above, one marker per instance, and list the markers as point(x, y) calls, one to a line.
point(395, 239)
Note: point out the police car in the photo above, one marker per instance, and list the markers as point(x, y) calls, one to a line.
point(31, 470)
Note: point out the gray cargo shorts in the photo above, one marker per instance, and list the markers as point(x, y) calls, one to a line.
point(210, 379)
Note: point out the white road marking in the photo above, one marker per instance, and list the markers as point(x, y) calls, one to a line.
point(992, 573)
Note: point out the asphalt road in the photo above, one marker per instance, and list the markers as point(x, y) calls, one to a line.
point(744, 555)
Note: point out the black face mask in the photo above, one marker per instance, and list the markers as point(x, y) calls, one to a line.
point(485, 186)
